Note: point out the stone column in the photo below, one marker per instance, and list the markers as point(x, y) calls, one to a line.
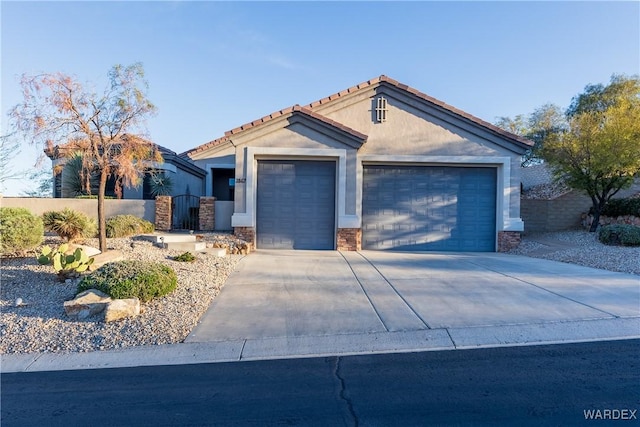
point(163, 213)
point(508, 240)
point(207, 214)
point(349, 239)
point(248, 234)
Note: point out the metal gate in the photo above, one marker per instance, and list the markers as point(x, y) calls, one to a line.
point(185, 212)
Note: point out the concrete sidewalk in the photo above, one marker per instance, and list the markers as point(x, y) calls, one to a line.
point(286, 304)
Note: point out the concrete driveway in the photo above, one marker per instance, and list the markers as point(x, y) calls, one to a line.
point(321, 293)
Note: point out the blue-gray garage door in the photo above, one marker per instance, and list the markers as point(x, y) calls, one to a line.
point(429, 208)
point(296, 204)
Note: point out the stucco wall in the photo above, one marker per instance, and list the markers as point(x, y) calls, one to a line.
point(141, 208)
point(412, 130)
point(224, 210)
point(296, 136)
point(184, 182)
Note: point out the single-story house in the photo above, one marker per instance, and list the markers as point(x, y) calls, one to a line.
point(377, 166)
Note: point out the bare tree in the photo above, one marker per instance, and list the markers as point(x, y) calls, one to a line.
point(9, 150)
point(59, 113)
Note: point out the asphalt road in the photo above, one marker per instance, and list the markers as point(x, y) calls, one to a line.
point(536, 385)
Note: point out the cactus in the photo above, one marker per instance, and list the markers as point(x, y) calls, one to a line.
point(65, 265)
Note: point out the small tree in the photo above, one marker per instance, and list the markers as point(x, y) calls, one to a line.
point(544, 121)
point(599, 150)
point(106, 128)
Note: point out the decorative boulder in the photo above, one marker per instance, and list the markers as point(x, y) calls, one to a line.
point(87, 304)
point(104, 258)
point(121, 309)
point(90, 251)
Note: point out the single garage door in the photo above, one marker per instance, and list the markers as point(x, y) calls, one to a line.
point(429, 208)
point(296, 204)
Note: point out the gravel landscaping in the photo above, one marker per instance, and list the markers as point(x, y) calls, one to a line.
point(41, 325)
point(582, 248)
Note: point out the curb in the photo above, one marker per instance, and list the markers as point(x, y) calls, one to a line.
point(330, 345)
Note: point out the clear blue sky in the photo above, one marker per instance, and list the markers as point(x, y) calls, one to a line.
point(213, 66)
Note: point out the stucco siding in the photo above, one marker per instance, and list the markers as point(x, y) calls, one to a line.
point(184, 182)
point(141, 208)
point(416, 131)
point(412, 132)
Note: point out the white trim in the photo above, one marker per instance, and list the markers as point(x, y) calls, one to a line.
point(514, 224)
point(253, 154)
point(503, 221)
point(241, 220)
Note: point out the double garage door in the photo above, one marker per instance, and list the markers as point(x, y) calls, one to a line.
point(429, 208)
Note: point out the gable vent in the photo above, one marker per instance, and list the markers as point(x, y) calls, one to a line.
point(381, 109)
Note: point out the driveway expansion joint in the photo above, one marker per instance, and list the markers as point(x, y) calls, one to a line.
point(394, 290)
point(244, 343)
point(375, 309)
point(455, 346)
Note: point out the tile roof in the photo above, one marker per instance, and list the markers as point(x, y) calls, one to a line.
point(308, 110)
point(425, 97)
point(296, 109)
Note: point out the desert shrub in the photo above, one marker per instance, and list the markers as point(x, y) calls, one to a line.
point(69, 224)
point(127, 225)
point(67, 265)
point(620, 207)
point(185, 257)
point(20, 230)
point(620, 234)
point(131, 279)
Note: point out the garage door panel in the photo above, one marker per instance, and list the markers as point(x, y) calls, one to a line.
point(295, 204)
point(429, 208)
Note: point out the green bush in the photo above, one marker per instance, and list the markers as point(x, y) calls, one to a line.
point(69, 224)
point(185, 257)
point(131, 279)
point(20, 230)
point(620, 234)
point(127, 225)
point(620, 207)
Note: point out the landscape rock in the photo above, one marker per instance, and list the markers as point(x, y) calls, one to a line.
point(86, 304)
point(89, 250)
point(106, 257)
point(121, 309)
point(42, 325)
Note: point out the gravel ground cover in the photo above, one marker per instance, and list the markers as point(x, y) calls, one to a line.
point(42, 326)
point(584, 249)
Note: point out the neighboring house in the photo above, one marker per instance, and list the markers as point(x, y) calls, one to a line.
point(377, 166)
point(186, 178)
